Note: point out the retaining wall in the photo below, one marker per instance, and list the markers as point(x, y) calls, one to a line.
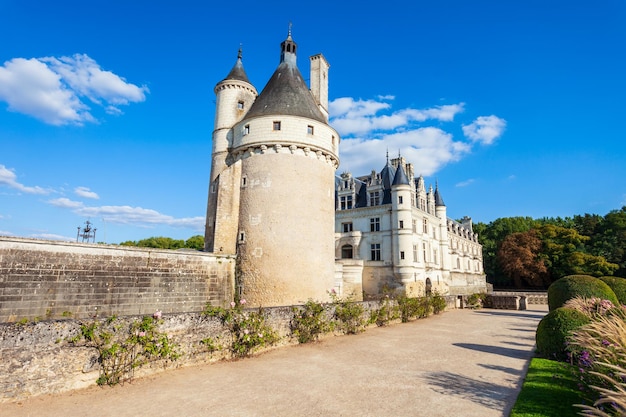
point(45, 279)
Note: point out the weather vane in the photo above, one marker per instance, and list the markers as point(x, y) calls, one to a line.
point(87, 233)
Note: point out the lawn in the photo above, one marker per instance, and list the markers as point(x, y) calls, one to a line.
point(550, 390)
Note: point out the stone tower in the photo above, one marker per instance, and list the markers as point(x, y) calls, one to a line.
point(280, 160)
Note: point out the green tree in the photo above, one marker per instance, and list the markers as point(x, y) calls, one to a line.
point(195, 242)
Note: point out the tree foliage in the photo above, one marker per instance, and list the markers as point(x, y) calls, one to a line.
point(584, 244)
point(194, 242)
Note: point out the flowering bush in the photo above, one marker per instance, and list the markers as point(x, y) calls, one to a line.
point(386, 312)
point(122, 351)
point(599, 349)
point(348, 314)
point(309, 321)
point(248, 329)
point(590, 306)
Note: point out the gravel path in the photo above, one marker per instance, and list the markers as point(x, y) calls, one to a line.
point(460, 363)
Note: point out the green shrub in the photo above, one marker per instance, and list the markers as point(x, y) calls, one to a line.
point(387, 311)
point(309, 321)
point(438, 303)
point(585, 286)
point(555, 328)
point(349, 316)
point(618, 285)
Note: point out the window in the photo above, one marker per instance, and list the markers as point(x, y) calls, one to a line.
point(346, 202)
point(435, 258)
point(375, 251)
point(244, 181)
point(374, 198)
point(399, 199)
point(242, 237)
point(415, 254)
point(434, 232)
point(414, 224)
point(346, 252)
point(375, 224)
point(240, 105)
point(402, 255)
point(424, 251)
point(309, 129)
point(401, 224)
point(276, 125)
point(246, 130)
point(425, 226)
point(346, 227)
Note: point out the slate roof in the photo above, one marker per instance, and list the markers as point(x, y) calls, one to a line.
point(286, 93)
point(237, 72)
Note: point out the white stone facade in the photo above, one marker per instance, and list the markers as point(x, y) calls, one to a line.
point(401, 236)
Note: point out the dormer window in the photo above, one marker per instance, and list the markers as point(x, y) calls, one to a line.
point(276, 125)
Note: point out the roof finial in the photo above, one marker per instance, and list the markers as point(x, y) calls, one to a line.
point(289, 33)
point(239, 53)
point(387, 155)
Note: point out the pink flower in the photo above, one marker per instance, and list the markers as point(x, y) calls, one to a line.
point(142, 334)
point(232, 304)
point(246, 331)
point(157, 314)
point(242, 301)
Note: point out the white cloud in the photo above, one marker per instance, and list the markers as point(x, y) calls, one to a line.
point(485, 129)
point(51, 89)
point(65, 203)
point(357, 117)
point(5, 233)
point(465, 183)
point(86, 193)
point(136, 216)
point(427, 148)
point(8, 178)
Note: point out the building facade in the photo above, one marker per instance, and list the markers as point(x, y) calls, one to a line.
point(393, 235)
point(275, 202)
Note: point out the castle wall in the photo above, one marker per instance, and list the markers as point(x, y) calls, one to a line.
point(46, 279)
point(286, 218)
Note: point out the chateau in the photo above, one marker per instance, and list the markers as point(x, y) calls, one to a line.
point(297, 229)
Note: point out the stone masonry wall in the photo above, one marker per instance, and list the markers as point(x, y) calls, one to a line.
point(40, 358)
point(46, 279)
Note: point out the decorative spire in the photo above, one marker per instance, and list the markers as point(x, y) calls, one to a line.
point(288, 49)
point(438, 200)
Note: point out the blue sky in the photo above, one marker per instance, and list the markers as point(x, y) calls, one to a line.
point(514, 108)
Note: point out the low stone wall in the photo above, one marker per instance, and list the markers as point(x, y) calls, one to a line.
point(506, 302)
point(46, 279)
point(40, 358)
point(532, 297)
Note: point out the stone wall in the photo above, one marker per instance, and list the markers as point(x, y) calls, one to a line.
point(46, 279)
point(40, 357)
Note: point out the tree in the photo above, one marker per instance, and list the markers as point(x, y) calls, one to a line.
point(519, 258)
point(195, 242)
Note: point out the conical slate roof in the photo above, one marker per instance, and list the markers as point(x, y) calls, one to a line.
point(237, 73)
point(286, 93)
point(438, 200)
point(400, 178)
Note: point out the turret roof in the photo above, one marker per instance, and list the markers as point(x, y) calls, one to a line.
point(286, 93)
point(400, 178)
point(237, 72)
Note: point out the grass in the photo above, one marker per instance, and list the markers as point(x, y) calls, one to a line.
point(550, 390)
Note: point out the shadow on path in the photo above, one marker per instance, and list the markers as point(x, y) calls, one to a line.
point(489, 395)
point(497, 350)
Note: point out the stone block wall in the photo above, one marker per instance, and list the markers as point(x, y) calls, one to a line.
point(46, 279)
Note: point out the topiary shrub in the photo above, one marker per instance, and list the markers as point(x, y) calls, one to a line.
point(618, 285)
point(554, 329)
point(584, 286)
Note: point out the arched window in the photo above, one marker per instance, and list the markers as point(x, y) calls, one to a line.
point(346, 252)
